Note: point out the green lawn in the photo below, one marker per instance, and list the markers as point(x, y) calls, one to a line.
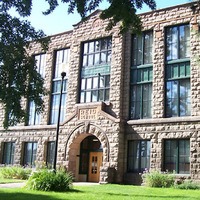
point(103, 192)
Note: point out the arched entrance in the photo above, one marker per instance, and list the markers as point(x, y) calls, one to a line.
point(77, 162)
point(91, 158)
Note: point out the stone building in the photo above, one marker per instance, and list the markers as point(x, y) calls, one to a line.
point(129, 102)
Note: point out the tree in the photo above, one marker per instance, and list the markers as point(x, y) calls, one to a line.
point(18, 75)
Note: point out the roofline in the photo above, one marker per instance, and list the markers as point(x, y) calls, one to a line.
point(140, 14)
point(93, 13)
point(168, 8)
point(148, 12)
point(62, 33)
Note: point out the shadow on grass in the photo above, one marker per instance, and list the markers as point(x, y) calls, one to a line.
point(151, 196)
point(71, 191)
point(8, 194)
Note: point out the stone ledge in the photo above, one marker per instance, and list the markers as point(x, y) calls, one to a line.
point(164, 120)
point(24, 128)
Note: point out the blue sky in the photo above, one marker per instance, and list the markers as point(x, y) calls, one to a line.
point(59, 21)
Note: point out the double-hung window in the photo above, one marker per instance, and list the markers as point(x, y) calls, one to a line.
point(50, 154)
point(177, 72)
point(95, 72)
point(177, 156)
point(30, 153)
point(34, 116)
point(61, 64)
point(138, 155)
point(141, 76)
point(8, 153)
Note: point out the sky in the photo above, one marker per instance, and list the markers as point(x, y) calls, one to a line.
point(60, 21)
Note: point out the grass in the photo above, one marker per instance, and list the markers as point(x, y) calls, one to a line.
point(102, 192)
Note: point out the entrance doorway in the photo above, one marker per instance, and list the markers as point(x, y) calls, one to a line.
point(91, 157)
point(94, 166)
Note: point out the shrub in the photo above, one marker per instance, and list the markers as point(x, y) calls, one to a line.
point(188, 185)
point(46, 180)
point(156, 178)
point(15, 172)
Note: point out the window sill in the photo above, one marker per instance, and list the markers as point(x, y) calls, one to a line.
point(164, 120)
point(35, 127)
point(142, 66)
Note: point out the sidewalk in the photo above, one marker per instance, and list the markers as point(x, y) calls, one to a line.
point(20, 185)
point(12, 185)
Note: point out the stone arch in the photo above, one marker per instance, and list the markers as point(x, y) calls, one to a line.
point(76, 137)
point(83, 130)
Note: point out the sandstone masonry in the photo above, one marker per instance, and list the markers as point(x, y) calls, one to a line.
point(111, 124)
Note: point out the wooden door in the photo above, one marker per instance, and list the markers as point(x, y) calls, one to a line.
point(95, 162)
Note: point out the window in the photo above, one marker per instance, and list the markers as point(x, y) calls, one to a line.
point(50, 154)
point(138, 155)
point(34, 117)
point(141, 76)
point(178, 94)
point(177, 156)
point(178, 42)
point(178, 90)
point(62, 60)
point(8, 153)
point(142, 46)
point(30, 152)
point(95, 73)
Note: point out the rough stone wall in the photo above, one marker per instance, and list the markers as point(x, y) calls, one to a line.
point(105, 130)
point(159, 128)
point(157, 21)
point(21, 135)
point(107, 126)
point(157, 133)
point(57, 42)
point(92, 29)
point(113, 127)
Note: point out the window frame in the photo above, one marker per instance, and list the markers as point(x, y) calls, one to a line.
point(142, 64)
point(11, 152)
point(177, 163)
point(142, 82)
point(102, 92)
point(178, 101)
point(100, 51)
point(32, 112)
point(178, 44)
point(139, 168)
point(56, 81)
point(33, 155)
point(49, 160)
point(34, 117)
point(95, 72)
point(178, 77)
